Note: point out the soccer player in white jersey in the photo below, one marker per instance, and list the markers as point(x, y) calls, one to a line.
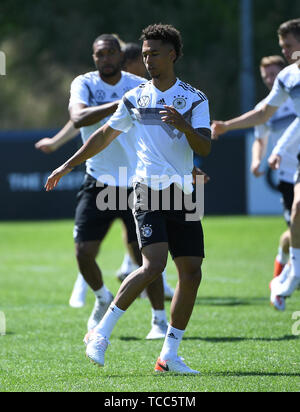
point(270, 132)
point(94, 97)
point(170, 119)
point(287, 84)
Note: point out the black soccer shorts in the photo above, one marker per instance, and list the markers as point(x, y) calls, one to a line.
point(185, 238)
point(92, 224)
point(287, 191)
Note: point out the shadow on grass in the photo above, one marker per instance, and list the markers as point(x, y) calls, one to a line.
point(233, 339)
point(224, 339)
point(230, 301)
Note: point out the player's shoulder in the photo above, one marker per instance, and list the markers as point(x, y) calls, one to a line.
point(138, 90)
point(86, 77)
point(191, 91)
point(133, 77)
point(287, 72)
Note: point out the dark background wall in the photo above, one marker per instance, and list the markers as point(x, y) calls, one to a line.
point(24, 170)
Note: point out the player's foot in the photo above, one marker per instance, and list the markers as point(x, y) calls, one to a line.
point(158, 331)
point(168, 291)
point(278, 302)
point(96, 346)
point(77, 299)
point(99, 311)
point(174, 365)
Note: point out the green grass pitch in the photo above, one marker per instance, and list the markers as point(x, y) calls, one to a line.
point(237, 341)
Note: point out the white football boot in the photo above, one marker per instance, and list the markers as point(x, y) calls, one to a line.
point(96, 346)
point(99, 311)
point(158, 330)
point(277, 301)
point(77, 299)
point(174, 365)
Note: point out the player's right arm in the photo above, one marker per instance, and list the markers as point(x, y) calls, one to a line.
point(250, 119)
point(258, 151)
point(97, 142)
point(83, 115)
point(49, 145)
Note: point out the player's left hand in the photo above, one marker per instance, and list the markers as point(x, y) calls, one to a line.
point(198, 172)
point(172, 117)
point(274, 161)
point(55, 177)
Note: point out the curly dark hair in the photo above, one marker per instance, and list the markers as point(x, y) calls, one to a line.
point(166, 33)
point(290, 27)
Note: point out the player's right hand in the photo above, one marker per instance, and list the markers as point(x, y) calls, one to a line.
point(217, 129)
point(55, 177)
point(46, 145)
point(255, 166)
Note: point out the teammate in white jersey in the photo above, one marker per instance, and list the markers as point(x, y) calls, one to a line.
point(170, 120)
point(269, 133)
point(287, 84)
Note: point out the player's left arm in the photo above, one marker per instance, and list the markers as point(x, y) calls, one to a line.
point(97, 142)
point(199, 139)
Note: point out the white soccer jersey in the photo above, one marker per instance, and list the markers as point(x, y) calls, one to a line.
point(164, 154)
point(273, 129)
point(91, 90)
point(287, 84)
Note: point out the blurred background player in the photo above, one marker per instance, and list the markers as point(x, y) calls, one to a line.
point(132, 63)
point(94, 97)
point(269, 133)
point(287, 84)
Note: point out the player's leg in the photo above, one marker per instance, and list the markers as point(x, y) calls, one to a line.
point(187, 251)
point(78, 295)
point(279, 291)
point(287, 191)
point(154, 290)
point(283, 253)
point(91, 226)
point(154, 261)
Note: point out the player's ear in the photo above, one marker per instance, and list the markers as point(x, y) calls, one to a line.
point(173, 55)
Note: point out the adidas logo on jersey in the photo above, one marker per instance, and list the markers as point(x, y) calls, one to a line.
point(161, 101)
point(114, 96)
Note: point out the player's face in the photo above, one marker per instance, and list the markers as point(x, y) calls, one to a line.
point(269, 74)
point(107, 58)
point(158, 57)
point(289, 45)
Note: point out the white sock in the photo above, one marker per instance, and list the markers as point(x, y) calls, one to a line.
point(295, 261)
point(80, 283)
point(102, 294)
point(126, 262)
point(171, 344)
point(109, 320)
point(159, 316)
point(282, 257)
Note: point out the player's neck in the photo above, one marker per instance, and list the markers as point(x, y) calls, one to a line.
point(112, 80)
point(164, 83)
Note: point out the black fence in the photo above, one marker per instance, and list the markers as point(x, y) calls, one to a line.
point(24, 170)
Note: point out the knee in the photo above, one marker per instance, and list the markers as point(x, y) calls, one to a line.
point(84, 252)
point(153, 270)
point(192, 278)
